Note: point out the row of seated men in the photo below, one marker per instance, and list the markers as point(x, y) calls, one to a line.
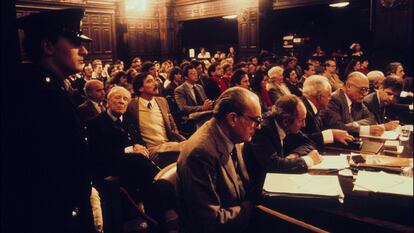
point(126, 137)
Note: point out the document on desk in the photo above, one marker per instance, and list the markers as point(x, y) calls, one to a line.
point(303, 186)
point(387, 135)
point(383, 182)
point(331, 162)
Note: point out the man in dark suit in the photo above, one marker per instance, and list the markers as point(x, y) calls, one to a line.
point(115, 143)
point(316, 96)
point(383, 98)
point(213, 187)
point(280, 146)
point(154, 122)
point(49, 186)
point(94, 105)
point(347, 111)
point(117, 151)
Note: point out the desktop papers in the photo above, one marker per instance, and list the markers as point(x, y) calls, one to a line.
point(303, 186)
point(384, 183)
point(332, 162)
point(388, 135)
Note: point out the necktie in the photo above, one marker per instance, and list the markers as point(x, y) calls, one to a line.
point(149, 105)
point(233, 155)
point(118, 123)
point(199, 100)
point(101, 108)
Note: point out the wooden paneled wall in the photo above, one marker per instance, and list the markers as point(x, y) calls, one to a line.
point(98, 23)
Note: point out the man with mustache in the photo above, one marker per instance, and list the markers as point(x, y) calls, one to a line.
point(154, 121)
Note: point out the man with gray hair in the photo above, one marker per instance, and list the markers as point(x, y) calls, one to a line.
point(375, 79)
point(316, 96)
point(276, 86)
point(347, 111)
point(213, 186)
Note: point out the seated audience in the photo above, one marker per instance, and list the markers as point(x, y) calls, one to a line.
point(279, 145)
point(332, 75)
point(276, 86)
point(213, 187)
point(154, 122)
point(347, 111)
point(259, 83)
point(190, 96)
point(215, 85)
point(316, 96)
point(240, 79)
point(94, 104)
point(203, 54)
point(116, 149)
point(291, 80)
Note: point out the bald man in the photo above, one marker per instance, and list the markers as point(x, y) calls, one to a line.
point(346, 109)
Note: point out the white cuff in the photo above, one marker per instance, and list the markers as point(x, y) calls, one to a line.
point(364, 130)
point(410, 107)
point(327, 136)
point(129, 149)
point(404, 94)
point(308, 160)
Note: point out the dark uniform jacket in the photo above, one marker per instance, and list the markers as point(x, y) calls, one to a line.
point(49, 169)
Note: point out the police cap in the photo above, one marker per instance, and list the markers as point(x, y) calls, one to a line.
point(66, 22)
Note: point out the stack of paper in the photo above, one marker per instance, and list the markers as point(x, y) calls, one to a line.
point(303, 186)
point(384, 183)
point(332, 162)
point(391, 145)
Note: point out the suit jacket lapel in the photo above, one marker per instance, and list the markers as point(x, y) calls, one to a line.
point(345, 110)
point(164, 113)
point(376, 109)
point(275, 135)
point(190, 94)
point(226, 161)
point(315, 118)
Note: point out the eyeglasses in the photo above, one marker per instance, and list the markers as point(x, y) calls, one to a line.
point(258, 120)
point(362, 90)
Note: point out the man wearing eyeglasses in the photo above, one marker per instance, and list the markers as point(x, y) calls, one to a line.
point(280, 146)
point(213, 186)
point(347, 111)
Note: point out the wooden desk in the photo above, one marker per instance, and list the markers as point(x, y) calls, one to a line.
point(360, 212)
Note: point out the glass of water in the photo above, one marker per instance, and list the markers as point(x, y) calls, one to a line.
point(405, 133)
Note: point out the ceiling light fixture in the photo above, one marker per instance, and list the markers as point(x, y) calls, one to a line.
point(230, 17)
point(339, 4)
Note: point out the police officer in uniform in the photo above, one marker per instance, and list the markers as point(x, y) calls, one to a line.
point(49, 183)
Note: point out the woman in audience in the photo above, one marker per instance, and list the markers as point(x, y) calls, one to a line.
point(259, 83)
point(119, 79)
point(174, 80)
point(291, 79)
point(353, 65)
